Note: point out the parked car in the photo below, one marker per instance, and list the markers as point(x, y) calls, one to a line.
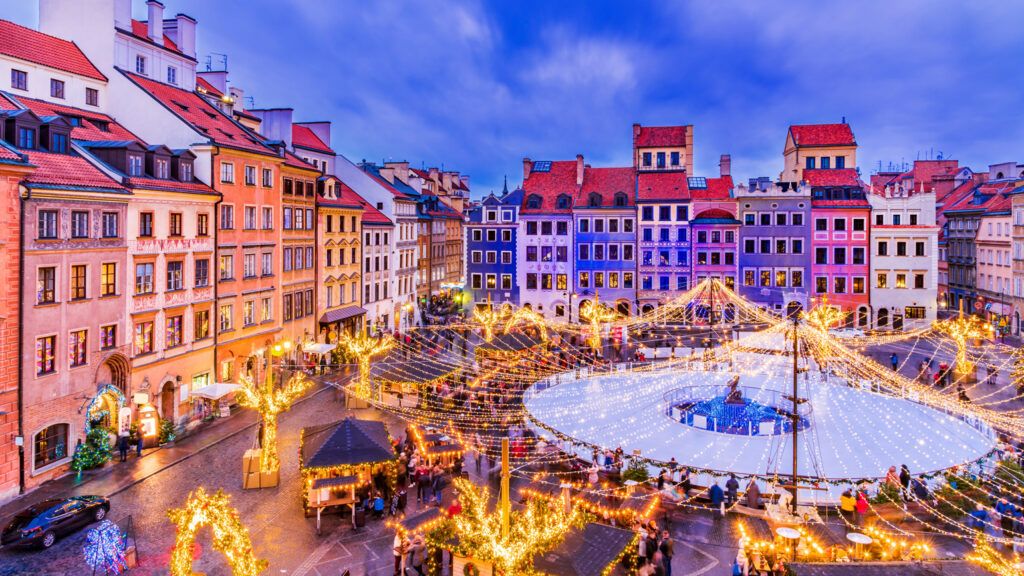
point(41, 524)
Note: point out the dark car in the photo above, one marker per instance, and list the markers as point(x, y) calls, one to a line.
point(41, 524)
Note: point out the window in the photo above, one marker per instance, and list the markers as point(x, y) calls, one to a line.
point(901, 280)
point(821, 284)
point(531, 228)
point(172, 75)
point(919, 281)
point(821, 255)
point(474, 281)
point(858, 224)
point(175, 274)
point(140, 64)
point(267, 262)
point(144, 278)
point(286, 218)
point(225, 320)
point(143, 338)
point(766, 246)
point(506, 257)
point(202, 272)
point(674, 158)
point(826, 162)
point(227, 217)
point(108, 337)
point(561, 254)
point(108, 279)
point(227, 267)
point(839, 225)
point(77, 345)
point(50, 445)
point(840, 162)
point(796, 245)
point(56, 88)
point(249, 312)
point(913, 219)
point(267, 306)
point(110, 224)
point(545, 228)
point(647, 158)
point(766, 218)
point(821, 224)
point(584, 225)
point(901, 248)
point(58, 143)
point(663, 235)
point(79, 224)
point(19, 79)
point(839, 256)
point(174, 227)
point(647, 214)
point(882, 280)
point(896, 219)
point(78, 282)
point(185, 172)
point(46, 280)
point(809, 163)
point(858, 256)
point(26, 138)
point(796, 278)
point(46, 360)
point(250, 175)
point(661, 159)
point(839, 284)
point(92, 97)
point(506, 281)
point(883, 248)
point(227, 172)
point(531, 281)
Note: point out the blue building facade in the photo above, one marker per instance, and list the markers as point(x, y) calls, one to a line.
point(491, 236)
point(775, 243)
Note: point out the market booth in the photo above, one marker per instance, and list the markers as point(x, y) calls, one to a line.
point(506, 350)
point(403, 377)
point(343, 461)
point(436, 448)
point(597, 550)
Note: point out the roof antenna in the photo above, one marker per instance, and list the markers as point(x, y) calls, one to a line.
point(844, 119)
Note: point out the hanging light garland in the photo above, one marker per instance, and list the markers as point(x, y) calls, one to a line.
point(230, 536)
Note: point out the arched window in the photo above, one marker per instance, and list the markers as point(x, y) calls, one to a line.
point(883, 316)
point(594, 201)
point(50, 445)
point(620, 198)
point(533, 201)
point(563, 201)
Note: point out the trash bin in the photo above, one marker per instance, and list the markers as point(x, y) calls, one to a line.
point(360, 517)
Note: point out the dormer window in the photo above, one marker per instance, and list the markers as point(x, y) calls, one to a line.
point(594, 200)
point(101, 125)
point(73, 120)
point(59, 143)
point(533, 201)
point(26, 138)
point(135, 165)
point(162, 169)
point(186, 172)
point(562, 202)
point(620, 198)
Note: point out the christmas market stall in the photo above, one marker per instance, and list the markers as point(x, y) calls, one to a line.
point(342, 463)
point(596, 550)
point(403, 377)
point(436, 448)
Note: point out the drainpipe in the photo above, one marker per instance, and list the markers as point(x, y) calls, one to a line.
point(215, 265)
point(21, 341)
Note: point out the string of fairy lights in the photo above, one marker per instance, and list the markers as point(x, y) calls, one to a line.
point(472, 380)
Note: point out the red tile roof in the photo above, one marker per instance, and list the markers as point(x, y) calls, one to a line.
point(855, 203)
point(91, 121)
point(832, 177)
point(822, 135)
point(987, 196)
point(209, 88)
point(607, 182)
point(33, 46)
point(717, 189)
point(294, 161)
point(170, 185)
point(201, 115)
point(655, 185)
point(560, 179)
point(8, 155)
point(347, 197)
point(67, 170)
point(715, 213)
point(661, 136)
point(304, 137)
point(141, 30)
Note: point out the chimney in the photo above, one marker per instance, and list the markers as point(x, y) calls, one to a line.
point(156, 21)
point(446, 181)
point(400, 170)
point(237, 98)
point(275, 124)
point(579, 169)
point(527, 166)
point(465, 180)
point(388, 174)
point(323, 131)
point(182, 30)
point(123, 14)
point(725, 165)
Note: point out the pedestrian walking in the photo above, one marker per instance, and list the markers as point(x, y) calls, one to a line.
point(894, 360)
point(753, 494)
point(732, 488)
point(400, 548)
point(122, 444)
point(716, 495)
point(905, 482)
point(861, 507)
point(848, 505)
point(667, 549)
point(138, 444)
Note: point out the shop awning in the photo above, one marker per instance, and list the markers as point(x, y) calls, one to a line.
point(332, 316)
point(318, 348)
point(215, 391)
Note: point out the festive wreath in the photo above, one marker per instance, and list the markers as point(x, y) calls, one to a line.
point(470, 569)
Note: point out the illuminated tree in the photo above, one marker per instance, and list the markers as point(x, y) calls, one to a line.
point(530, 317)
point(1017, 372)
point(230, 536)
point(992, 560)
point(533, 530)
point(363, 348)
point(596, 314)
point(824, 316)
point(961, 330)
point(488, 318)
point(270, 401)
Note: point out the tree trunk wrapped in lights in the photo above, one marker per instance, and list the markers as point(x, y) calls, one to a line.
point(230, 536)
point(596, 314)
point(961, 330)
point(990, 559)
point(270, 401)
point(533, 530)
point(363, 348)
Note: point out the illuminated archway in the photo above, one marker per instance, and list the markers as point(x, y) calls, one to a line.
point(528, 316)
point(230, 536)
point(105, 407)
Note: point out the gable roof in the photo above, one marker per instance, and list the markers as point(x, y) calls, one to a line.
point(204, 84)
point(397, 188)
point(90, 128)
point(831, 177)
point(607, 182)
point(348, 442)
point(67, 171)
point(549, 185)
point(304, 137)
point(202, 116)
point(586, 552)
point(661, 136)
point(811, 135)
point(656, 185)
point(33, 46)
point(983, 197)
point(370, 214)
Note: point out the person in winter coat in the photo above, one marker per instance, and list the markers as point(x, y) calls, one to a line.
point(920, 489)
point(861, 507)
point(732, 488)
point(641, 548)
point(667, 549)
point(753, 495)
point(716, 495)
point(847, 505)
point(905, 482)
point(979, 518)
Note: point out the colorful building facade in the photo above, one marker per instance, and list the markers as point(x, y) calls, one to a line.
point(546, 224)
point(604, 236)
point(492, 231)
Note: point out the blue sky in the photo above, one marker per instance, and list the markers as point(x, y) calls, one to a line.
point(477, 86)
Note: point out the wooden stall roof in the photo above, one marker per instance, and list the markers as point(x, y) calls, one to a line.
point(348, 442)
point(585, 552)
point(339, 482)
point(927, 568)
point(420, 519)
point(827, 534)
point(511, 342)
